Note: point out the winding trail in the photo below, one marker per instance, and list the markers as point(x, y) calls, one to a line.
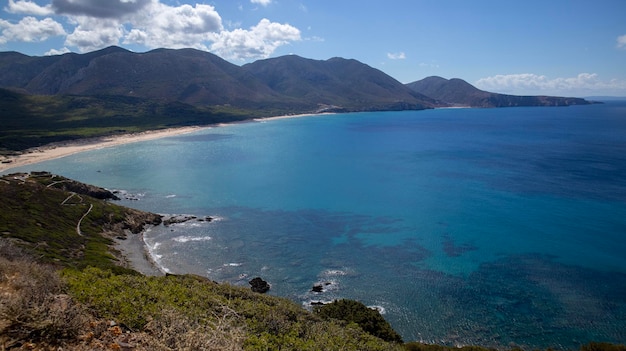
point(78, 231)
point(67, 198)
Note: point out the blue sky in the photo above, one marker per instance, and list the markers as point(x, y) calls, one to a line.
point(555, 47)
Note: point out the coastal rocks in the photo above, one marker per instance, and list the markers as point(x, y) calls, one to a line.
point(185, 218)
point(123, 194)
point(318, 288)
point(136, 220)
point(259, 285)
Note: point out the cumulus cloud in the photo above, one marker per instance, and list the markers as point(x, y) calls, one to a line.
point(29, 29)
point(28, 8)
point(61, 51)
point(261, 2)
point(94, 33)
point(95, 24)
point(396, 55)
point(621, 42)
point(175, 27)
point(99, 8)
point(257, 42)
point(532, 84)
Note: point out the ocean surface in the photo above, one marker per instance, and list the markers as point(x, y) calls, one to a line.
point(497, 227)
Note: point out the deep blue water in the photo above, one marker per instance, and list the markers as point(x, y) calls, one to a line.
point(467, 226)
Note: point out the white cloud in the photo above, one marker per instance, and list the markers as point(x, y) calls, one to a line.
point(621, 42)
point(95, 24)
point(429, 64)
point(396, 55)
point(257, 42)
point(28, 8)
point(61, 51)
point(261, 2)
point(94, 33)
point(29, 29)
point(532, 84)
point(175, 27)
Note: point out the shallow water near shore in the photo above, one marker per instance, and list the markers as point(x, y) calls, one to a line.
point(496, 227)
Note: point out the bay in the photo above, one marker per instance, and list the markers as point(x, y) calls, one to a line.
point(496, 227)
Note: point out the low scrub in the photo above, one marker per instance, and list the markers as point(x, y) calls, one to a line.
point(174, 306)
point(367, 318)
point(34, 306)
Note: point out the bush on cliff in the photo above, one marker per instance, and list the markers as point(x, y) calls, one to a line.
point(367, 318)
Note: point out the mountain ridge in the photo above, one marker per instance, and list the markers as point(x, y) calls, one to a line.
point(290, 83)
point(458, 92)
point(201, 78)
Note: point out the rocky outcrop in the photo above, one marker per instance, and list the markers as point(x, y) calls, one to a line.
point(185, 218)
point(77, 187)
point(259, 285)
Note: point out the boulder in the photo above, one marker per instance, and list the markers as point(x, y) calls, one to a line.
point(259, 285)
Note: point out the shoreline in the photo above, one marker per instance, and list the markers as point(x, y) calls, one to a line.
point(58, 150)
point(134, 252)
point(290, 116)
point(66, 148)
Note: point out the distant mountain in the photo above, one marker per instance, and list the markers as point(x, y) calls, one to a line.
point(187, 75)
point(199, 78)
point(337, 81)
point(457, 92)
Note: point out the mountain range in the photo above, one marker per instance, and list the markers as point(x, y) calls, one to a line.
point(289, 84)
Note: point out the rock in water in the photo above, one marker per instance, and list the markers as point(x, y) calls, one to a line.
point(259, 285)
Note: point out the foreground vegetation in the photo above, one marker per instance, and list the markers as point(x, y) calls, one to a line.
point(66, 289)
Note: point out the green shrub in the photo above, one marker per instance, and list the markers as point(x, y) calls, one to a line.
point(367, 318)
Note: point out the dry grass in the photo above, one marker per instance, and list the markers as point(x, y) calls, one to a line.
point(37, 314)
point(34, 306)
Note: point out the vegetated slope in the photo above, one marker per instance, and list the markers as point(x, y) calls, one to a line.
point(186, 75)
point(345, 84)
point(35, 120)
point(65, 222)
point(458, 92)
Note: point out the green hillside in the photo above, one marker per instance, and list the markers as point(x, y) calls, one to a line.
point(35, 120)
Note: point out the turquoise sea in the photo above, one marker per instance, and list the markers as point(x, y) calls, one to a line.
point(496, 227)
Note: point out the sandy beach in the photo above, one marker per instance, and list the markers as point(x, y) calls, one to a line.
point(292, 116)
point(62, 149)
point(58, 150)
point(135, 253)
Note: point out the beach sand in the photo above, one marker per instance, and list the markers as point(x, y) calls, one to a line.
point(62, 149)
point(134, 252)
point(58, 150)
